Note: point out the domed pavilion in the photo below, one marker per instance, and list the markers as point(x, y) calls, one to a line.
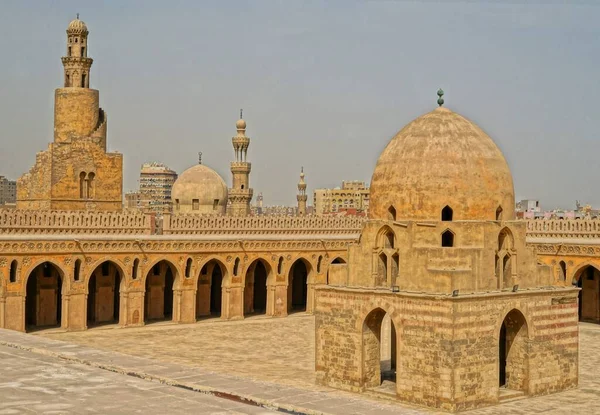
point(441, 303)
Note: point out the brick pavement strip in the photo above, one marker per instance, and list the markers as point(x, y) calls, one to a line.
point(180, 366)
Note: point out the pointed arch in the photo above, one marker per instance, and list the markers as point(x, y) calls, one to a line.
point(45, 286)
point(209, 288)
point(513, 353)
point(392, 213)
point(386, 238)
point(298, 285)
point(13, 271)
point(448, 239)
point(447, 214)
point(159, 299)
point(258, 275)
point(499, 213)
point(104, 287)
point(379, 349)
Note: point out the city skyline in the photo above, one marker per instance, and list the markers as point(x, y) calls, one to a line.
point(523, 71)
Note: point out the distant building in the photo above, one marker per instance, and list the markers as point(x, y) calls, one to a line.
point(8, 191)
point(156, 183)
point(132, 200)
point(352, 198)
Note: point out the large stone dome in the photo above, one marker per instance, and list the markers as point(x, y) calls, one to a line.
point(442, 159)
point(199, 189)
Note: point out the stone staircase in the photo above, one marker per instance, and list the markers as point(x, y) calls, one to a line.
point(507, 395)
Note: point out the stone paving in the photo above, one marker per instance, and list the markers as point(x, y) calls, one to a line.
point(271, 361)
point(31, 383)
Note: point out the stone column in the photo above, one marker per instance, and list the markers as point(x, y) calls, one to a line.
point(187, 305)
point(74, 313)
point(281, 300)
point(135, 308)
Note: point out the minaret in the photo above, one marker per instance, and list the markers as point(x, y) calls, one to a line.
point(77, 112)
point(301, 197)
point(240, 193)
point(77, 65)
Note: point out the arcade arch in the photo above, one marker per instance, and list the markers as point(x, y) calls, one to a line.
point(255, 288)
point(298, 285)
point(104, 294)
point(159, 295)
point(209, 293)
point(44, 296)
point(588, 279)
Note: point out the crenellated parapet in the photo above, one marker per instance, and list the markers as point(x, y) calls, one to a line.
point(189, 224)
point(44, 222)
point(570, 228)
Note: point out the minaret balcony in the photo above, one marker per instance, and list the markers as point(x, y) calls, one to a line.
point(77, 59)
point(242, 167)
point(240, 193)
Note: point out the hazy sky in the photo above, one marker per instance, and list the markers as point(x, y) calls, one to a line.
point(323, 85)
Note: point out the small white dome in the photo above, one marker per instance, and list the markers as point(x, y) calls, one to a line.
point(199, 189)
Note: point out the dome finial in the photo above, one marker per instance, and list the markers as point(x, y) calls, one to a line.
point(77, 16)
point(241, 113)
point(199, 157)
point(440, 100)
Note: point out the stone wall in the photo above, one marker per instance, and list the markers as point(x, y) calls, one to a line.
point(447, 348)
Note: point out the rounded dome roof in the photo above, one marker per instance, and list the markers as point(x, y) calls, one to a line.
point(240, 124)
point(441, 159)
point(77, 26)
point(202, 183)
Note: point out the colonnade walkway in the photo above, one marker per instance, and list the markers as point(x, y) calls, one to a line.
point(262, 396)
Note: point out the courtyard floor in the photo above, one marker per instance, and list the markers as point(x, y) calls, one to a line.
point(281, 351)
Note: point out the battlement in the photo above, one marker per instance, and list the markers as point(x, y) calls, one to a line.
point(74, 222)
point(181, 224)
point(567, 228)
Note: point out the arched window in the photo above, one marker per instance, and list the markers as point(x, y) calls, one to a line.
point(13, 271)
point(319, 264)
point(83, 51)
point(499, 213)
point(91, 186)
point(562, 269)
point(386, 238)
point(447, 239)
point(395, 268)
point(382, 269)
point(83, 80)
point(280, 265)
point(391, 213)
point(236, 266)
point(69, 51)
point(77, 270)
point(447, 214)
point(188, 268)
point(134, 271)
point(82, 186)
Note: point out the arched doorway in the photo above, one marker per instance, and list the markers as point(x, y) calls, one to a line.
point(104, 294)
point(209, 290)
point(298, 287)
point(43, 298)
point(255, 290)
point(513, 352)
point(158, 300)
point(379, 351)
point(588, 279)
